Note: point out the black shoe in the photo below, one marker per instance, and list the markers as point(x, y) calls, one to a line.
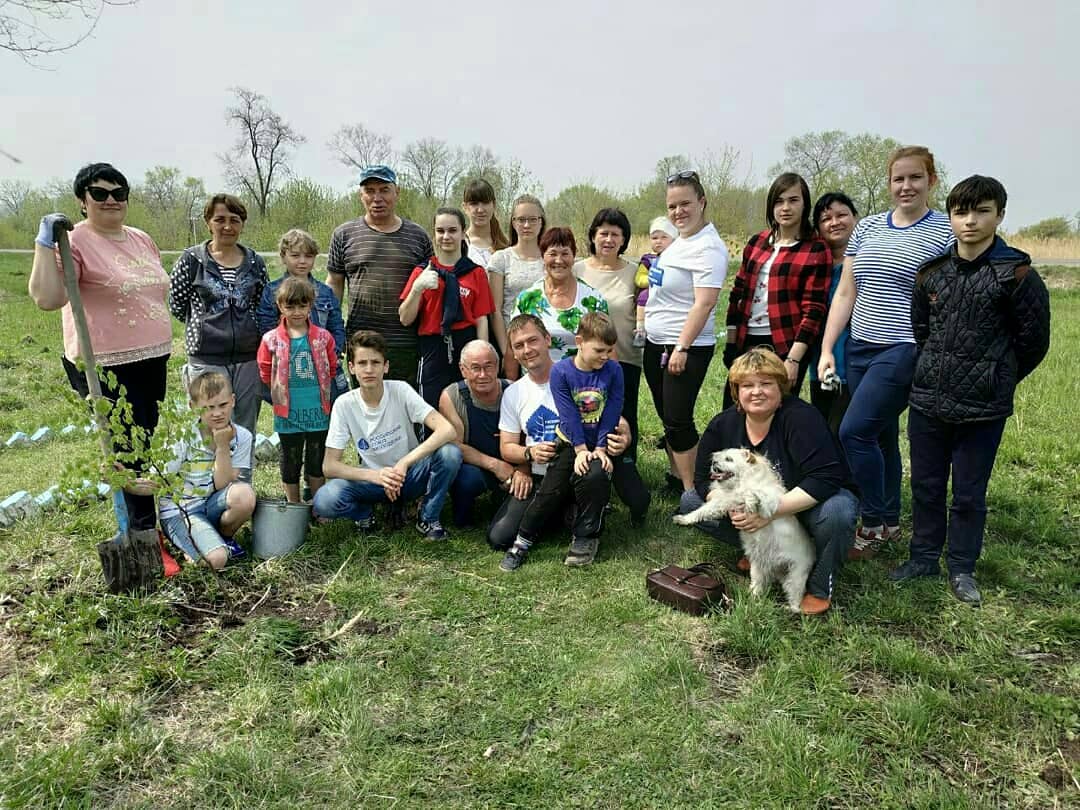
point(637, 519)
point(582, 551)
point(433, 530)
point(395, 515)
point(963, 587)
point(305, 496)
point(673, 483)
point(515, 557)
point(913, 569)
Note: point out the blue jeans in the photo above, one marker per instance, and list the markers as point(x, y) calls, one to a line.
point(879, 378)
point(470, 484)
point(969, 450)
point(430, 477)
point(205, 518)
point(830, 524)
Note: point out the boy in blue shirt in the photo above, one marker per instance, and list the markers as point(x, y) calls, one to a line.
point(588, 393)
point(213, 461)
point(981, 318)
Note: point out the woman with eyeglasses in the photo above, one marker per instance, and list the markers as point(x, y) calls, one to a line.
point(123, 287)
point(514, 269)
point(215, 289)
point(779, 294)
point(680, 336)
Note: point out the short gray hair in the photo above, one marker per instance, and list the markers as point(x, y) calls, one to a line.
point(475, 346)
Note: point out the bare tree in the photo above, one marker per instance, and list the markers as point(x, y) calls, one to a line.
point(357, 147)
point(260, 158)
point(433, 167)
point(817, 156)
point(515, 180)
point(14, 195)
point(717, 169)
point(479, 161)
point(25, 24)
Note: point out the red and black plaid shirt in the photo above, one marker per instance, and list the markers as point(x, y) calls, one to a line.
point(798, 290)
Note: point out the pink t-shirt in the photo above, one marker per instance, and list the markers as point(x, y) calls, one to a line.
point(123, 288)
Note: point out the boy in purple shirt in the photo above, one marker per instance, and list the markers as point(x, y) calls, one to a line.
point(588, 393)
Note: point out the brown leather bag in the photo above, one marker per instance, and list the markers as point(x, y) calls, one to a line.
point(695, 590)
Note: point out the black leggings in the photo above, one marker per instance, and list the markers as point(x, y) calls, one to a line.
point(144, 383)
point(301, 449)
point(590, 491)
point(675, 395)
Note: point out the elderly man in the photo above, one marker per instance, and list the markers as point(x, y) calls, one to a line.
point(472, 407)
point(375, 255)
point(527, 422)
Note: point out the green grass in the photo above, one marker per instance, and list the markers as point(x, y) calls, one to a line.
point(466, 687)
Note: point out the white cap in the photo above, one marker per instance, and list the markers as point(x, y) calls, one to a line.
point(664, 224)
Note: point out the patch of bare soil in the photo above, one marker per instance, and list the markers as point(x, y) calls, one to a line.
point(1060, 771)
point(728, 673)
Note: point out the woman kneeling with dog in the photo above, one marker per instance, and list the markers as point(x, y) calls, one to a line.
point(797, 442)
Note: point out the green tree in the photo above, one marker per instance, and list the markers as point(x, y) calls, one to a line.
point(575, 207)
point(1051, 228)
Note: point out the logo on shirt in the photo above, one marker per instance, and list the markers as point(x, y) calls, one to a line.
point(540, 427)
point(656, 275)
point(590, 404)
point(362, 445)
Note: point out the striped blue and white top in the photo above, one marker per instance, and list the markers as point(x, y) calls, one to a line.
point(886, 258)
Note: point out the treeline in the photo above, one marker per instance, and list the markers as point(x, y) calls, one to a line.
point(259, 168)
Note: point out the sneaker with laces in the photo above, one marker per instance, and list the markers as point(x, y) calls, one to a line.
point(432, 530)
point(366, 525)
point(913, 569)
point(582, 551)
point(515, 556)
point(236, 551)
point(867, 544)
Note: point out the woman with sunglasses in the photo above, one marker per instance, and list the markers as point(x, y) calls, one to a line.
point(680, 335)
point(514, 269)
point(123, 287)
point(215, 289)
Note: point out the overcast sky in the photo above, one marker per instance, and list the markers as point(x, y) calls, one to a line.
point(575, 90)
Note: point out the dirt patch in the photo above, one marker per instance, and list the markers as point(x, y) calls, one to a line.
point(869, 683)
point(729, 673)
point(1059, 772)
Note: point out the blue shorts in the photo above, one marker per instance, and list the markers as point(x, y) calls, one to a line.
point(205, 518)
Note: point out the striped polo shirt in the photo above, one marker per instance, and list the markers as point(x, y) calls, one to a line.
point(376, 266)
point(886, 258)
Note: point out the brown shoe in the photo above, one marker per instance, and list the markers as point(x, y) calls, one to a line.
point(742, 565)
point(814, 605)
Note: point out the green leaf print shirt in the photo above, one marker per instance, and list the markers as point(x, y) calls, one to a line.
point(561, 323)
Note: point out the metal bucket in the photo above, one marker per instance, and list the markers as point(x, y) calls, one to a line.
point(278, 527)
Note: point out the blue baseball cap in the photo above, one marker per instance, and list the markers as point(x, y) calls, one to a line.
point(378, 172)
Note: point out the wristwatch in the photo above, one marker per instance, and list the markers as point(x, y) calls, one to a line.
point(528, 454)
point(679, 347)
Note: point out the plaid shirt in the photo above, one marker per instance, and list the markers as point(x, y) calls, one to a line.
point(798, 290)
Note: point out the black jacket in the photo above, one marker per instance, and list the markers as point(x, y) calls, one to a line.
point(981, 327)
point(221, 326)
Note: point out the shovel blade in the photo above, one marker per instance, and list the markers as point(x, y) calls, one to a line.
point(131, 562)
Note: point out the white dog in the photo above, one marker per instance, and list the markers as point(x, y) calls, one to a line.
point(782, 550)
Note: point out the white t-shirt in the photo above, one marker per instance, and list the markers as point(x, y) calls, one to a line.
point(518, 274)
point(758, 324)
point(193, 457)
point(698, 261)
point(529, 408)
point(480, 255)
point(382, 435)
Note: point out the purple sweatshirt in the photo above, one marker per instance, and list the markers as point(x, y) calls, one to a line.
point(589, 402)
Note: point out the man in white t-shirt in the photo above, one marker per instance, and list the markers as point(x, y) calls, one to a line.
point(378, 418)
point(527, 422)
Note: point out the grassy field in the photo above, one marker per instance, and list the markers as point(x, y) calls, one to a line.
point(465, 687)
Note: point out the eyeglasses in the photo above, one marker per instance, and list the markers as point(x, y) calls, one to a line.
point(99, 194)
point(526, 220)
point(687, 175)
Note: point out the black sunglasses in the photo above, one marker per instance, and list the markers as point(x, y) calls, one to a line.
point(687, 175)
point(99, 194)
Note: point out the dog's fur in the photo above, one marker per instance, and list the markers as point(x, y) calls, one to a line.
point(782, 550)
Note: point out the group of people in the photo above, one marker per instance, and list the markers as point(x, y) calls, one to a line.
point(479, 362)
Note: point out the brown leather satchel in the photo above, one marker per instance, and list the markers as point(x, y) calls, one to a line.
point(695, 590)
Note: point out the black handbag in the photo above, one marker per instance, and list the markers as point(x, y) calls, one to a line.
point(696, 590)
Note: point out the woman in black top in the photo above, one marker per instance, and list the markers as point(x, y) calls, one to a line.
point(798, 443)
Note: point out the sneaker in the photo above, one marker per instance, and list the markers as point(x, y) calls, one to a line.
point(236, 551)
point(913, 569)
point(433, 530)
point(639, 338)
point(515, 557)
point(582, 551)
point(367, 525)
point(892, 533)
point(963, 587)
point(867, 544)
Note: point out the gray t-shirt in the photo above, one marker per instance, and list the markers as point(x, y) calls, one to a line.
point(376, 266)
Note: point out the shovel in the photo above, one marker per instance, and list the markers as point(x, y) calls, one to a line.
point(131, 560)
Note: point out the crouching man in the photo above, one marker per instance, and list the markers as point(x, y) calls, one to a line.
point(379, 418)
